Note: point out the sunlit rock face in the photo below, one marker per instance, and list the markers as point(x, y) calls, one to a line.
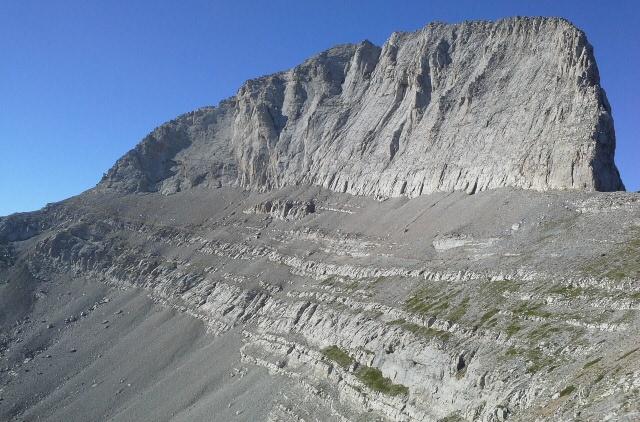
point(307, 250)
point(470, 106)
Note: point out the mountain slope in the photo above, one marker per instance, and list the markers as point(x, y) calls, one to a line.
point(225, 270)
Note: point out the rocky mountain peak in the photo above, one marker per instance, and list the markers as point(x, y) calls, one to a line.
point(470, 106)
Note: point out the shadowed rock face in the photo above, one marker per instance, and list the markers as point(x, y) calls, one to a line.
point(470, 106)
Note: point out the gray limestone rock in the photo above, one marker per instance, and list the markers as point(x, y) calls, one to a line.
point(309, 303)
point(470, 106)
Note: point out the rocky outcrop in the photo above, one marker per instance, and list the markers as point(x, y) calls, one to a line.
point(283, 209)
point(470, 106)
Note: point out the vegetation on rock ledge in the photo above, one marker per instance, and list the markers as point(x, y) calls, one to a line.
point(373, 378)
point(338, 355)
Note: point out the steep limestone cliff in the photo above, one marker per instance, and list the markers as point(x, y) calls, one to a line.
point(470, 106)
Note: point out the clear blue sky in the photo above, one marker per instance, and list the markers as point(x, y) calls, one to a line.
point(82, 81)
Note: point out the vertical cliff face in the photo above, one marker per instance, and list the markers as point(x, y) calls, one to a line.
point(470, 106)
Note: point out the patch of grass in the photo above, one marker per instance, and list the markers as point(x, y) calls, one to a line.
point(492, 322)
point(420, 330)
point(621, 262)
point(628, 353)
point(426, 332)
point(429, 301)
point(338, 355)
point(459, 311)
point(543, 331)
point(571, 292)
point(531, 310)
point(513, 328)
point(420, 306)
point(488, 315)
point(373, 378)
point(567, 390)
point(511, 351)
point(494, 290)
point(538, 360)
point(591, 363)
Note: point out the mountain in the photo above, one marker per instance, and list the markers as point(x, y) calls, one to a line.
point(431, 230)
point(473, 106)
